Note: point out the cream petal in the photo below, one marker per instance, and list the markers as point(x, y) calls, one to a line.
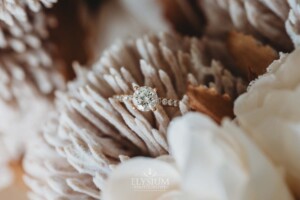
point(172, 195)
point(141, 178)
point(269, 112)
point(192, 145)
point(222, 162)
point(264, 181)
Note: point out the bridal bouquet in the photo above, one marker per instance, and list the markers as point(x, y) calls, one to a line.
point(150, 100)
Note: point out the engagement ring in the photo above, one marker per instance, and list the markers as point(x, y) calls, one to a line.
point(145, 98)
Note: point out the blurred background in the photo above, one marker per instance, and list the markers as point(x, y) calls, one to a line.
point(68, 30)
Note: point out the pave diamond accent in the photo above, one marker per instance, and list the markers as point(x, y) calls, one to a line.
point(170, 102)
point(165, 101)
point(145, 98)
point(175, 103)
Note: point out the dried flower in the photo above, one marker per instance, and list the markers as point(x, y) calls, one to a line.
point(211, 162)
point(15, 11)
point(25, 57)
point(94, 131)
point(29, 76)
point(269, 113)
point(29, 115)
point(36, 51)
point(292, 24)
point(53, 178)
point(262, 19)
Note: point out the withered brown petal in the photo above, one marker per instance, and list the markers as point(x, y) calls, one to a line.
point(210, 102)
point(250, 56)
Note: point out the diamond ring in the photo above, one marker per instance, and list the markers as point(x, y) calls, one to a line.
point(145, 98)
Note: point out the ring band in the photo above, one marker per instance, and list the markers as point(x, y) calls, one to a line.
point(145, 99)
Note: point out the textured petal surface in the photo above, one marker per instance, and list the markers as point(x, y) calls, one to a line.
point(212, 162)
point(269, 112)
point(260, 18)
point(94, 131)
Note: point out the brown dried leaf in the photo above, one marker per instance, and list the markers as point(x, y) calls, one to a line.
point(250, 56)
point(210, 102)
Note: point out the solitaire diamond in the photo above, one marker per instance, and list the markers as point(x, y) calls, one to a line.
point(145, 98)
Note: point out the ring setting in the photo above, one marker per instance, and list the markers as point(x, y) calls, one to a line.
point(145, 98)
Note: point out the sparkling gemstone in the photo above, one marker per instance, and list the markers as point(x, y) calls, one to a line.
point(125, 98)
point(175, 103)
point(145, 98)
point(164, 101)
point(170, 102)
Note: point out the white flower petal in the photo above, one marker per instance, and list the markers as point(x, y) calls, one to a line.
point(142, 178)
point(270, 114)
point(221, 162)
point(214, 162)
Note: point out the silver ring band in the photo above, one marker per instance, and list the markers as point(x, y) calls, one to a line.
point(145, 99)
